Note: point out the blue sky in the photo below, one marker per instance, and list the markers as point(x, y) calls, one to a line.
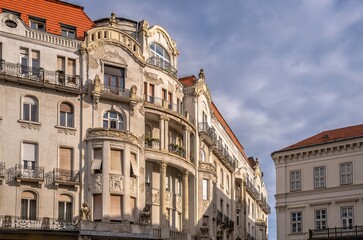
point(279, 71)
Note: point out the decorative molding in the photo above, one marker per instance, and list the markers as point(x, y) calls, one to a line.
point(319, 204)
point(133, 186)
point(116, 183)
point(207, 167)
point(112, 133)
point(30, 125)
point(346, 200)
point(66, 131)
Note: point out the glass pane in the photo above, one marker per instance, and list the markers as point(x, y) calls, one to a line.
point(62, 120)
point(113, 115)
point(105, 123)
point(69, 212)
point(34, 114)
point(24, 209)
point(26, 113)
point(33, 209)
point(70, 120)
point(61, 211)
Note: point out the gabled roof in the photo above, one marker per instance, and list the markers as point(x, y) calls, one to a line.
point(328, 136)
point(54, 12)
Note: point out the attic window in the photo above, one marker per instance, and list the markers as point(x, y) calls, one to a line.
point(37, 23)
point(68, 31)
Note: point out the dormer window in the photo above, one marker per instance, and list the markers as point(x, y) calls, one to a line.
point(68, 31)
point(37, 23)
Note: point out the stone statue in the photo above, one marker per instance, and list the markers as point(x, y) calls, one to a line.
point(145, 215)
point(133, 92)
point(85, 212)
point(97, 84)
point(113, 20)
point(204, 229)
point(201, 74)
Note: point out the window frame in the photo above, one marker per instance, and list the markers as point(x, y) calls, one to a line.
point(343, 219)
point(66, 122)
point(37, 21)
point(114, 78)
point(30, 110)
point(297, 224)
point(25, 162)
point(319, 177)
point(320, 222)
point(67, 214)
point(346, 174)
point(66, 30)
point(295, 184)
point(30, 214)
point(118, 121)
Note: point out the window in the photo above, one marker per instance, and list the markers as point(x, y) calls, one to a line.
point(238, 217)
point(112, 120)
point(205, 189)
point(295, 180)
point(65, 158)
point(66, 115)
point(114, 79)
point(71, 71)
point(151, 93)
point(97, 207)
point(346, 173)
point(222, 177)
point(28, 205)
point(35, 63)
point(65, 208)
point(37, 23)
point(170, 100)
point(24, 60)
point(96, 166)
point(115, 207)
point(346, 215)
point(30, 109)
point(227, 183)
point(160, 54)
point(319, 177)
point(165, 97)
point(296, 222)
point(320, 218)
point(133, 165)
point(68, 31)
point(116, 161)
point(30, 155)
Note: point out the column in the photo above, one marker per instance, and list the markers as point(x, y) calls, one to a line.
point(161, 129)
point(166, 134)
point(106, 181)
point(186, 142)
point(126, 211)
point(163, 213)
point(185, 201)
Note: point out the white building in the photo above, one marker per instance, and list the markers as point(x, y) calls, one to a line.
point(319, 186)
point(100, 139)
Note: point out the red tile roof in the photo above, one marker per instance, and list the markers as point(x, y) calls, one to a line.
point(54, 12)
point(328, 136)
point(188, 80)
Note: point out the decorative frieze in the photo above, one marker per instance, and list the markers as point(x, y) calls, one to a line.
point(29, 125)
point(97, 183)
point(112, 133)
point(116, 183)
point(66, 131)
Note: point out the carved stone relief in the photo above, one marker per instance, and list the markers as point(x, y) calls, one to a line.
point(97, 183)
point(116, 183)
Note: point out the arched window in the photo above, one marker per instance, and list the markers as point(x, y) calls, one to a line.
point(113, 120)
point(28, 205)
point(30, 109)
point(202, 155)
point(66, 115)
point(65, 208)
point(159, 52)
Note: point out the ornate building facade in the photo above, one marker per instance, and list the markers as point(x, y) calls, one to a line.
point(100, 139)
point(319, 186)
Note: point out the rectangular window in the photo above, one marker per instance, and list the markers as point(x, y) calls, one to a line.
point(68, 31)
point(165, 97)
point(319, 177)
point(296, 222)
point(35, 63)
point(320, 218)
point(346, 215)
point(170, 100)
point(151, 93)
point(346, 173)
point(71, 71)
point(116, 161)
point(114, 79)
point(24, 60)
point(97, 207)
point(96, 166)
point(65, 211)
point(65, 158)
point(295, 180)
point(29, 155)
point(37, 23)
point(115, 207)
point(133, 165)
point(205, 189)
point(28, 209)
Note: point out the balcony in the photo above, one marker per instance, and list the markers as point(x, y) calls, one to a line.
point(28, 174)
point(264, 205)
point(177, 150)
point(219, 217)
point(153, 143)
point(340, 233)
point(207, 133)
point(115, 93)
point(222, 153)
point(13, 223)
point(2, 172)
point(166, 66)
point(38, 76)
point(65, 177)
point(250, 188)
point(159, 102)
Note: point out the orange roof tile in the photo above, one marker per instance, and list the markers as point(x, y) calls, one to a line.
point(54, 12)
point(188, 80)
point(328, 136)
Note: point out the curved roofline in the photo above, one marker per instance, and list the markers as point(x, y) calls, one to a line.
point(118, 18)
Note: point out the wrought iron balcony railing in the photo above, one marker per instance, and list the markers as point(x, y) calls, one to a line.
point(252, 190)
point(354, 232)
point(43, 224)
point(67, 177)
point(161, 63)
point(39, 74)
point(219, 217)
point(29, 173)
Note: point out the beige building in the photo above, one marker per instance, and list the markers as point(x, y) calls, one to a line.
point(100, 139)
point(319, 186)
